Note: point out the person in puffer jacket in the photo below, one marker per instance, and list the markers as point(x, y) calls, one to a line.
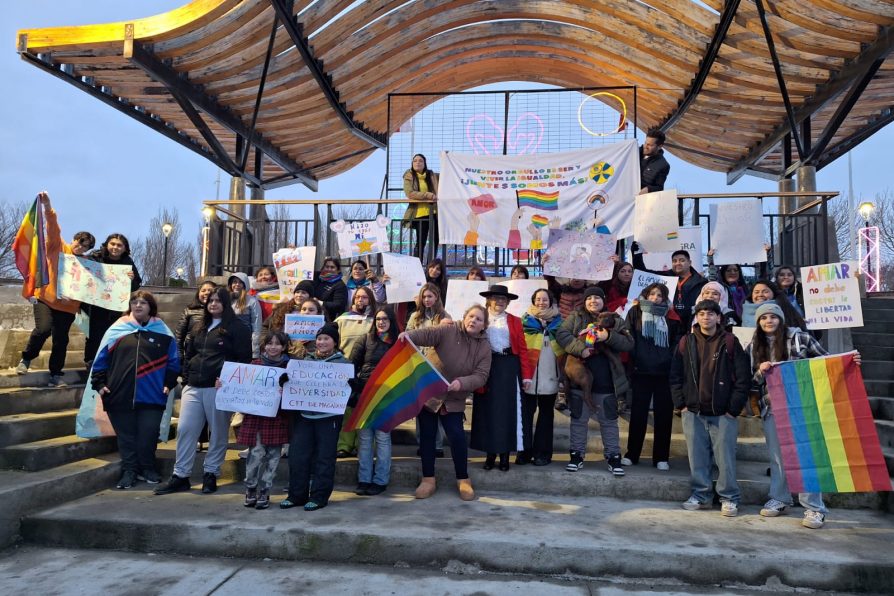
point(247, 309)
point(136, 366)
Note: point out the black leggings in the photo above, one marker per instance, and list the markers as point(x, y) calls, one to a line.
point(655, 389)
point(452, 423)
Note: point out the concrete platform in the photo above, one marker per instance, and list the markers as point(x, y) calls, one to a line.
point(499, 531)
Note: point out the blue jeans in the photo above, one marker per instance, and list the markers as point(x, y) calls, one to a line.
point(778, 485)
point(705, 434)
point(383, 456)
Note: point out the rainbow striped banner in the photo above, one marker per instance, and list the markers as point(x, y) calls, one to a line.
point(826, 431)
point(30, 249)
point(397, 390)
point(545, 201)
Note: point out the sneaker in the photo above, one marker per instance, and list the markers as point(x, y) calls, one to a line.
point(313, 506)
point(576, 463)
point(614, 465)
point(376, 489)
point(541, 461)
point(263, 500)
point(243, 454)
point(361, 489)
point(663, 466)
point(693, 504)
point(56, 381)
point(149, 476)
point(128, 479)
point(626, 461)
point(251, 497)
point(813, 520)
point(22, 368)
point(729, 509)
point(209, 483)
point(175, 485)
point(773, 508)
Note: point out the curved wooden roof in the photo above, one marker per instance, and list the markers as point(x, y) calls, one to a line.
point(704, 72)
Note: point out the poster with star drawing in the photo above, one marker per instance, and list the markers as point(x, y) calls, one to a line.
point(359, 238)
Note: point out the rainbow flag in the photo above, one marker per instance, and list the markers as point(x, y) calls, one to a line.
point(396, 391)
point(30, 249)
point(545, 201)
point(826, 430)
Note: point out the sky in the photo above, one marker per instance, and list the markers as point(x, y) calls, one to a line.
point(107, 173)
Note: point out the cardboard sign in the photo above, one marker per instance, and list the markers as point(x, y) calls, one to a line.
point(316, 386)
point(643, 279)
point(92, 282)
point(406, 277)
point(690, 240)
point(294, 265)
point(580, 255)
point(461, 294)
point(524, 289)
point(303, 327)
point(249, 388)
point(655, 225)
point(737, 232)
point(832, 296)
point(359, 238)
point(745, 335)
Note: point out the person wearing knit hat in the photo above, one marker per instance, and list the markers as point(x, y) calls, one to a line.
point(769, 308)
point(314, 438)
point(307, 287)
point(594, 291)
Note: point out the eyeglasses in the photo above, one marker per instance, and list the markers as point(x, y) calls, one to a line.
point(379, 320)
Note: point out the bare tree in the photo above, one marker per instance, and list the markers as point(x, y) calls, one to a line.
point(150, 256)
point(11, 216)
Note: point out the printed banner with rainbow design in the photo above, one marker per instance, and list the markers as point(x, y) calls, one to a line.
point(397, 390)
point(826, 431)
point(535, 199)
point(30, 249)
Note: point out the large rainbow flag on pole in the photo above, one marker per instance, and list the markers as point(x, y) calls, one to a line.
point(398, 388)
point(826, 431)
point(30, 249)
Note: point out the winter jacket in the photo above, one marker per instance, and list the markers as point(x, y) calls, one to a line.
point(457, 356)
point(250, 315)
point(333, 295)
point(411, 191)
point(649, 359)
point(366, 357)
point(55, 246)
point(731, 382)
point(353, 329)
point(569, 299)
point(190, 316)
point(619, 340)
point(653, 171)
point(206, 351)
point(136, 368)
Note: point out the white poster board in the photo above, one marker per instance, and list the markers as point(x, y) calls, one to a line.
point(640, 281)
point(359, 238)
point(406, 277)
point(745, 335)
point(303, 327)
point(293, 265)
point(580, 255)
point(655, 226)
point(524, 289)
point(249, 388)
point(316, 386)
point(832, 296)
point(92, 282)
point(737, 234)
point(690, 240)
point(463, 293)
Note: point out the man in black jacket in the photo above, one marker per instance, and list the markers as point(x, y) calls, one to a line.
point(653, 168)
point(710, 377)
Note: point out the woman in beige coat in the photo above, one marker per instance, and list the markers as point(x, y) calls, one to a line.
point(421, 184)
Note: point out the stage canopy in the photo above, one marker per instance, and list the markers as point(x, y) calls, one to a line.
point(757, 86)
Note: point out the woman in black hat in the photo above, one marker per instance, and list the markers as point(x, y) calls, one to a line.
point(495, 413)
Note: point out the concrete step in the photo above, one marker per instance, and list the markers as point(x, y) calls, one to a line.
point(510, 532)
point(884, 326)
point(877, 303)
point(885, 429)
point(21, 400)
point(73, 359)
point(16, 429)
point(49, 453)
point(879, 387)
point(40, 378)
point(884, 353)
point(878, 315)
point(13, 341)
point(864, 339)
point(882, 407)
point(876, 368)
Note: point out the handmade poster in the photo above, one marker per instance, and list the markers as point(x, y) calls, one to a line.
point(524, 289)
point(294, 265)
point(106, 286)
point(640, 281)
point(249, 388)
point(461, 294)
point(827, 435)
point(749, 314)
point(358, 238)
point(832, 296)
point(515, 201)
point(405, 277)
point(690, 240)
point(316, 386)
point(737, 232)
point(303, 327)
point(580, 255)
point(655, 225)
point(744, 334)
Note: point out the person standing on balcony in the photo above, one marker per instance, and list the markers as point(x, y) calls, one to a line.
point(653, 167)
point(421, 184)
point(53, 316)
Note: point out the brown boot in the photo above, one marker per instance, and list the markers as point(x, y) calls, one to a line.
point(466, 492)
point(426, 488)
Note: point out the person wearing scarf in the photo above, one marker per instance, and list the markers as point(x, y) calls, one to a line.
point(656, 329)
point(366, 357)
point(540, 324)
point(363, 277)
point(330, 289)
point(716, 292)
point(136, 366)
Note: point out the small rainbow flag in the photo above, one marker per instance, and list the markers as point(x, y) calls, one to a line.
point(826, 431)
point(396, 391)
point(672, 235)
point(539, 220)
point(546, 201)
point(30, 249)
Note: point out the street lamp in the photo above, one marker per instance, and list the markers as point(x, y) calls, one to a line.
point(207, 214)
point(166, 229)
point(179, 272)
